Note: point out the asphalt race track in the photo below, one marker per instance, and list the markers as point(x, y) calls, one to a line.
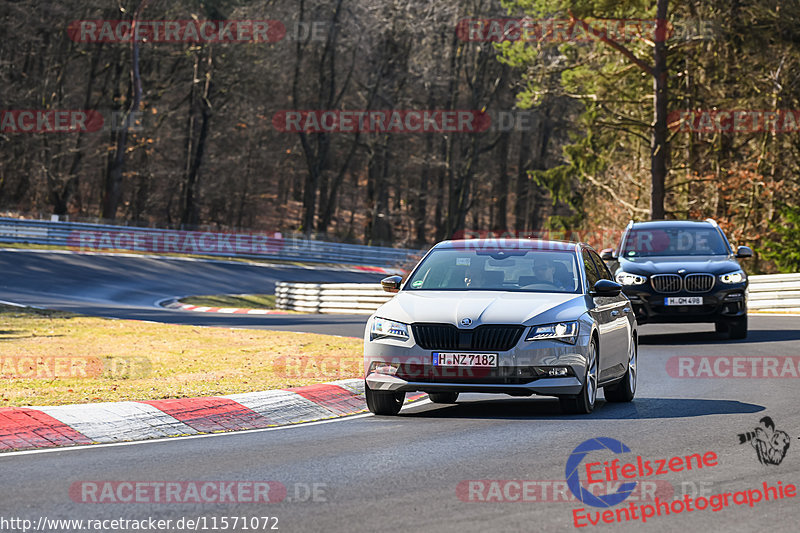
point(129, 287)
point(413, 472)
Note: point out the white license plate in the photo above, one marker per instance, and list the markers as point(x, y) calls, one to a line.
point(684, 300)
point(487, 360)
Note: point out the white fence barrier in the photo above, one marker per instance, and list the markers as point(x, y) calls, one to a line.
point(349, 298)
point(779, 292)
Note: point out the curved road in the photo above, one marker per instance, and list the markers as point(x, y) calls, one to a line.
point(403, 473)
point(129, 287)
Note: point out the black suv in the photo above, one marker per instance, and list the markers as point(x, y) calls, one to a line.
point(682, 271)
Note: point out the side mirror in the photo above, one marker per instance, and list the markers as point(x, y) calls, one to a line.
point(606, 287)
point(392, 283)
point(607, 254)
point(743, 252)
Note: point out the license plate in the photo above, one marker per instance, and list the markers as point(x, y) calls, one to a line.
point(486, 360)
point(684, 300)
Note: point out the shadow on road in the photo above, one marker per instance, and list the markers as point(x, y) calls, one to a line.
point(640, 408)
point(710, 337)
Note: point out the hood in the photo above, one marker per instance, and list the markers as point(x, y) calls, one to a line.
point(482, 307)
point(711, 264)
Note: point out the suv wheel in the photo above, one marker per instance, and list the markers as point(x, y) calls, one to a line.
point(583, 403)
point(737, 329)
point(383, 402)
point(625, 389)
point(443, 397)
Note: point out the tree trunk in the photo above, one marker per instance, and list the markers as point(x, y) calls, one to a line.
point(659, 154)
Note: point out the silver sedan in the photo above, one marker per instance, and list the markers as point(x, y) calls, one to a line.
point(518, 317)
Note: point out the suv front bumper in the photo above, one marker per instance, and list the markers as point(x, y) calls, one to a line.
point(729, 302)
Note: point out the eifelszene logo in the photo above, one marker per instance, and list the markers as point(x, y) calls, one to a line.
point(619, 471)
point(770, 444)
point(574, 481)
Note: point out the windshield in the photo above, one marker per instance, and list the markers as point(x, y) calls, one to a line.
point(675, 241)
point(517, 270)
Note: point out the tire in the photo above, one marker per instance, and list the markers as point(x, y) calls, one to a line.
point(625, 389)
point(443, 397)
point(384, 403)
point(583, 403)
point(737, 329)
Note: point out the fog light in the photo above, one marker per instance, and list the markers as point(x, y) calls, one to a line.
point(552, 371)
point(388, 369)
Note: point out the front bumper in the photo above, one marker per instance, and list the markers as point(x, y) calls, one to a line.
point(521, 371)
point(719, 304)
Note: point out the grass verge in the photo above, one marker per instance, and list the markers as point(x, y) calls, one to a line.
point(245, 301)
point(54, 358)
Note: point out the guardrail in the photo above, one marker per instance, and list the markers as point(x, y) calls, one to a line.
point(779, 292)
point(256, 245)
point(776, 292)
point(347, 298)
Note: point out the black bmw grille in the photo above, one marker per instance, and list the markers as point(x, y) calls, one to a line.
point(448, 337)
point(698, 282)
point(666, 283)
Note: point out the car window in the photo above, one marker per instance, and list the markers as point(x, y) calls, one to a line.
point(515, 270)
point(674, 241)
point(592, 276)
point(602, 269)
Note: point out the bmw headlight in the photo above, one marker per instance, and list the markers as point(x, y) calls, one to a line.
point(383, 328)
point(626, 278)
point(730, 278)
point(563, 331)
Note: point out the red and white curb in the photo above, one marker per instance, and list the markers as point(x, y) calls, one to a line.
point(224, 310)
point(23, 428)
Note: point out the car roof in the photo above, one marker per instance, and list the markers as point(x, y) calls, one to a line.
point(672, 224)
point(508, 244)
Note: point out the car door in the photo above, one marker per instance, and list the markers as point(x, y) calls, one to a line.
point(600, 309)
point(618, 334)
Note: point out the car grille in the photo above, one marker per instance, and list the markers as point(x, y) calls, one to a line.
point(698, 282)
point(666, 283)
point(448, 337)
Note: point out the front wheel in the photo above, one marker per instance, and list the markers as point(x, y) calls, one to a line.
point(384, 402)
point(583, 403)
point(737, 329)
point(443, 397)
point(624, 390)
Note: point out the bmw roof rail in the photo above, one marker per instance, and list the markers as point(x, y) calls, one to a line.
point(712, 222)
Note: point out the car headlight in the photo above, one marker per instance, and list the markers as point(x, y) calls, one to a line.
point(563, 331)
point(383, 328)
point(626, 278)
point(737, 276)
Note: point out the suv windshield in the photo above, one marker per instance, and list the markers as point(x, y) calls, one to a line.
point(513, 270)
point(677, 241)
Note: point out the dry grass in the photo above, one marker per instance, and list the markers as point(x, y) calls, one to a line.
point(53, 358)
point(244, 301)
